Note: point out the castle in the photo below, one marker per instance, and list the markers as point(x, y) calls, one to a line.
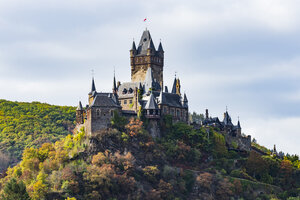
point(145, 95)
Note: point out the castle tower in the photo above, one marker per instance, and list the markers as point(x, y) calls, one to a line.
point(144, 57)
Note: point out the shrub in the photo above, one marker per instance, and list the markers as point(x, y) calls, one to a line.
point(151, 173)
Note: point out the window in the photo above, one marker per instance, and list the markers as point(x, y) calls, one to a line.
point(130, 101)
point(98, 113)
point(125, 101)
point(178, 113)
point(124, 91)
point(112, 113)
point(130, 90)
point(165, 110)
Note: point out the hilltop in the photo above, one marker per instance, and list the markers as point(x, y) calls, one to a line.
point(126, 162)
point(24, 125)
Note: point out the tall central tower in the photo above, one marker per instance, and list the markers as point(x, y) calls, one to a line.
point(144, 57)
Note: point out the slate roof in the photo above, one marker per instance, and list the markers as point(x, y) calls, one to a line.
point(170, 99)
point(104, 100)
point(133, 46)
point(93, 88)
point(79, 106)
point(227, 119)
point(160, 48)
point(174, 86)
point(145, 43)
point(127, 86)
point(151, 103)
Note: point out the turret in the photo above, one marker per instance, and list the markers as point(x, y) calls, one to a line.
point(133, 50)
point(151, 109)
point(176, 86)
point(185, 101)
point(79, 114)
point(92, 93)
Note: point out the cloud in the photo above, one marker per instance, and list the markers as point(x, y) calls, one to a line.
point(240, 54)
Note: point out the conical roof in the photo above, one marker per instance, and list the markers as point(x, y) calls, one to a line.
point(133, 46)
point(151, 103)
point(79, 106)
point(93, 88)
point(160, 48)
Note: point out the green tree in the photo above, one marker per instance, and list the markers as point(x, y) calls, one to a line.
point(14, 190)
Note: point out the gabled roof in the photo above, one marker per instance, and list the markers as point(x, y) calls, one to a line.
point(151, 103)
point(145, 43)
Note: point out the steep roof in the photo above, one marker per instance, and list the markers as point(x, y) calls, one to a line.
point(151, 103)
point(104, 100)
point(145, 43)
point(185, 101)
point(133, 46)
point(149, 81)
point(160, 48)
point(79, 106)
point(93, 88)
point(174, 86)
point(227, 119)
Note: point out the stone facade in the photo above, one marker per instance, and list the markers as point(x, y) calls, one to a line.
point(144, 94)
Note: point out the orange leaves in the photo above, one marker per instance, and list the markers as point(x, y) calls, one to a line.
point(134, 127)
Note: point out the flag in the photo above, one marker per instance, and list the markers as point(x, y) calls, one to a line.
point(145, 19)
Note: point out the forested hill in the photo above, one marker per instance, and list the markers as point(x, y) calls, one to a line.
point(32, 124)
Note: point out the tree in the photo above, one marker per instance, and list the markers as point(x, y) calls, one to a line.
point(14, 190)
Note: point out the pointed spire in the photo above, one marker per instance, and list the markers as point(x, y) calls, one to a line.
point(174, 86)
point(160, 48)
point(239, 124)
point(151, 103)
point(133, 48)
point(185, 101)
point(149, 81)
point(93, 88)
point(79, 106)
point(114, 84)
point(166, 89)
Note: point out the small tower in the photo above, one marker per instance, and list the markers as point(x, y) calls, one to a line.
point(152, 113)
point(151, 108)
point(92, 93)
point(79, 114)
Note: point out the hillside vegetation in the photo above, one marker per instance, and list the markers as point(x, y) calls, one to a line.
point(125, 162)
point(24, 125)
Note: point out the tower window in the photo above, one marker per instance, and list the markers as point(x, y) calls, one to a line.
point(98, 113)
point(125, 101)
point(124, 91)
point(130, 90)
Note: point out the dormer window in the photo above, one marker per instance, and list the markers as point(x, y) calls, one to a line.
point(145, 39)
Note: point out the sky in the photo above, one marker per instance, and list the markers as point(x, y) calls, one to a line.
point(241, 54)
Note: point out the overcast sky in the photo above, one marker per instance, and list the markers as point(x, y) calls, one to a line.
point(240, 54)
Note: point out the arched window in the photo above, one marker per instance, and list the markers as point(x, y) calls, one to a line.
point(98, 112)
point(124, 91)
point(130, 90)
